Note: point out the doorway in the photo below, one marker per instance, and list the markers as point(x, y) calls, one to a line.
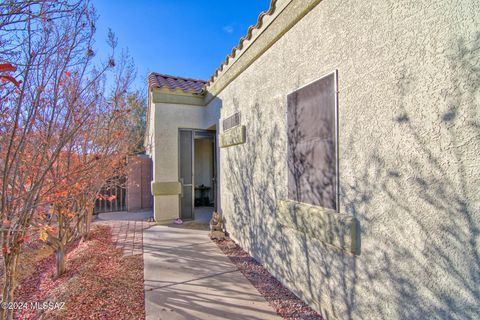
point(197, 172)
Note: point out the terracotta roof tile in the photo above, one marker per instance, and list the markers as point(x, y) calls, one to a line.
point(158, 80)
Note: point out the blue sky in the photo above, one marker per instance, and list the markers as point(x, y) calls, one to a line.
point(189, 38)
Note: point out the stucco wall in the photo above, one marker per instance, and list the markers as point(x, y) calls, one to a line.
point(409, 103)
point(168, 118)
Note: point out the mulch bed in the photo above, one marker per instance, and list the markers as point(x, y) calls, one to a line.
point(285, 303)
point(100, 283)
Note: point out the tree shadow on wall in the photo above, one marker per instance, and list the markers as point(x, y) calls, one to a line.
point(256, 180)
point(311, 159)
point(254, 172)
point(428, 266)
point(418, 205)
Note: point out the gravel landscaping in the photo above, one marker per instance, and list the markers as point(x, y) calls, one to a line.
point(285, 303)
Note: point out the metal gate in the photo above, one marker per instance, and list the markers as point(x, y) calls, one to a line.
point(112, 197)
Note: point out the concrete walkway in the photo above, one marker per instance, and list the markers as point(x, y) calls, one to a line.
point(188, 277)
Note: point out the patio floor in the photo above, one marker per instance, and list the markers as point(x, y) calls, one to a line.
point(127, 229)
point(203, 214)
point(188, 277)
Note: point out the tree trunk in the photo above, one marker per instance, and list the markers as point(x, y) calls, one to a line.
point(60, 249)
point(88, 219)
point(60, 259)
point(10, 264)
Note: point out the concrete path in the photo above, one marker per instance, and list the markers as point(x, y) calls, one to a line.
point(188, 277)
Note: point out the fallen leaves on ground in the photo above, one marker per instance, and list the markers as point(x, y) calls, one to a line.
point(285, 303)
point(33, 252)
point(100, 283)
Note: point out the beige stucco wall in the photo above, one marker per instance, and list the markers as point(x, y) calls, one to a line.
point(409, 125)
point(168, 119)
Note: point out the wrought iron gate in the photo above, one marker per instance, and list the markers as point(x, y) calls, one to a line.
point(112, 197)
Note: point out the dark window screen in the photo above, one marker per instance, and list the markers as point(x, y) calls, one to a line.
point(312, 143)
point(231, 122)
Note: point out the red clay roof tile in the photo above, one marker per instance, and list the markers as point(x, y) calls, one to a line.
point(158, 80)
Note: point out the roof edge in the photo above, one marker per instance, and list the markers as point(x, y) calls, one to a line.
point(177, 77)
point(154, 84)
point(238, 48)
point(271, 26)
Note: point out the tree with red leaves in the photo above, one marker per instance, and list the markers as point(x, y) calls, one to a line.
point(56, 126)
point(95, 155)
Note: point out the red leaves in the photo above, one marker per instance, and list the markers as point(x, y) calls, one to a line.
point(25, 238)
point(60, 194)
point(11, 79)
point(6, 249)
point(110, 198)
point(7, 67)
point(98, 282)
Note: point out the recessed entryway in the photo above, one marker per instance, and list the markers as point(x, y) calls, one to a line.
point(197, 171)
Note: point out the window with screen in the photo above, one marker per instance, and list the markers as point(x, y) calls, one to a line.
point(312, 143)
